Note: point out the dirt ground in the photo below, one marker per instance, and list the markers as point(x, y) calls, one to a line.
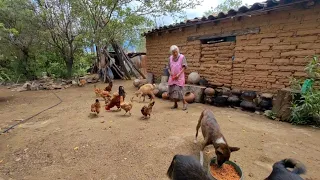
point(64, 143)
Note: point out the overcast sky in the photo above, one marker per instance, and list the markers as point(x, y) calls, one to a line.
point(199, 10)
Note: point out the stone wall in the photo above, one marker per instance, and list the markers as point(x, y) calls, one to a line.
point(264, 61)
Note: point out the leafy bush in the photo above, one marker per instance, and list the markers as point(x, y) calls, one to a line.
point(307, 107)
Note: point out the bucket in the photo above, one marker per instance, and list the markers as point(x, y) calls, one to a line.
point(238, 169)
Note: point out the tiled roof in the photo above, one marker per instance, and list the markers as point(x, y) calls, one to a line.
point(254, 9)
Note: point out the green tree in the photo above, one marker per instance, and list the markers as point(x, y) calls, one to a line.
point(18, 36)
point(123, 20)
point(224, 7)
point(63, 27)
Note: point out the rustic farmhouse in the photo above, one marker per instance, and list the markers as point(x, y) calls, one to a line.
point(254, 48)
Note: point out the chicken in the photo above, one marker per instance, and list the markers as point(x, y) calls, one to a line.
point(97, 90)
point(127, 106)
point(96, 107)
point(115, 101)
point(144, 90)
point(109, 87)
point(106, 96)
point(82, 82)
point(146, 110)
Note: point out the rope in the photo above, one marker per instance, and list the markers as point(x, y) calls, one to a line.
point(25, 120)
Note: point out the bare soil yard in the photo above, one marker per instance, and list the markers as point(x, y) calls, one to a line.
point(64, 143)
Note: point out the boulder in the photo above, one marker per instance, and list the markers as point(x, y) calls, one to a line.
point(193, 78)
point(163, 87)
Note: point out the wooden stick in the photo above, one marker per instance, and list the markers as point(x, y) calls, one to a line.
point(134, 66)
point(114, 45)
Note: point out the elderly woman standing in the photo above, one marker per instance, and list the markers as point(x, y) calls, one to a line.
point(177, 65)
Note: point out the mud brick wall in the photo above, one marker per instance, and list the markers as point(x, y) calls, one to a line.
point(264, 61)
point(215, 63)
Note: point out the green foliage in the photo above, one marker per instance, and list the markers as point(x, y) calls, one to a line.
point(224, 7)
point(270, 114)
point(307, 107)
point(50, 35)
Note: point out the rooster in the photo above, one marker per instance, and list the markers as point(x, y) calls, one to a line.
point(127, 106)
point(95, 108)
point(109, 87)
point(115, 101)
point(146, 110)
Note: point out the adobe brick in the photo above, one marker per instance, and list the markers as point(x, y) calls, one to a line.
point(285, 34)
point(284, 47)
point(270, 41)
point(258, 61)
point(263, 35)
point(301, 60)
point(308, 32)
point(266, 67)
point(273, 54)
point(291, 68)
point(298, 53)
point(281, 74)
point(258, 47)
point(300, 74)
point(301, 39)
point(309, 46)
point(281, 61)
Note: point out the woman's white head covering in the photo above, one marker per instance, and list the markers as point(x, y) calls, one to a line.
point(174, 47)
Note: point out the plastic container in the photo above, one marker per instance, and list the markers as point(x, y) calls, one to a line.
point(238, 169)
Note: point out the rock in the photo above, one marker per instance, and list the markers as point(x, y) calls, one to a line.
point(209, 91)
point(248, 105)
point(34, 86)
point(234, 100)
point(249, 95)
point(163, 87)
point(73, 82)
point(208, 99)
point(164, 79)
point(203, 82)
point(27, 86)
point(236, 92)
point(56, 86)
point(150, 78)
point(266, 95)
point(266, 104)
point(221, 101)
point(136, 82)
point(89, 80)
point(143, 82)
point(226, 91)
point(194, 78)
point(282, 103)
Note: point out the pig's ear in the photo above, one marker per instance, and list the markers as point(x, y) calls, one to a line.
point(232, 149)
